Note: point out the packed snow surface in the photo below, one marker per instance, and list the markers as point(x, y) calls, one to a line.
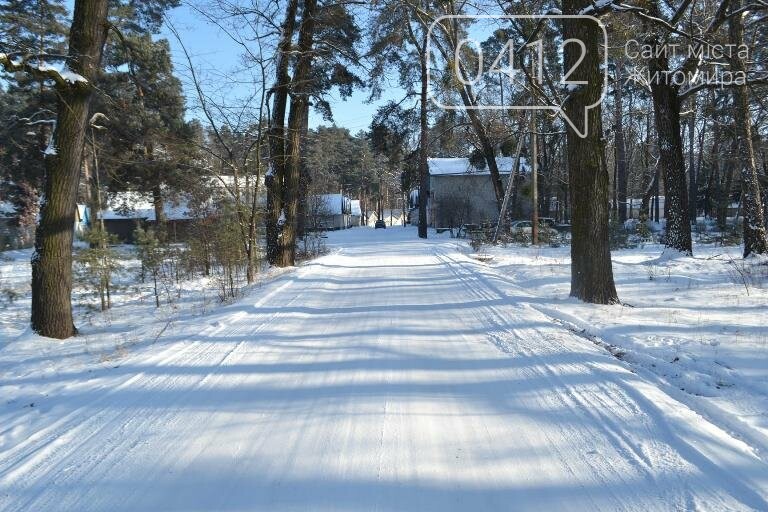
point(393, 374)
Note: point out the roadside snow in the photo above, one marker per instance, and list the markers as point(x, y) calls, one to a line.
point(398, 374)
point(698, 324)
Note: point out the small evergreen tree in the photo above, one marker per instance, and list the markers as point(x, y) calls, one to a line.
point(99, 263)
point(151, 254)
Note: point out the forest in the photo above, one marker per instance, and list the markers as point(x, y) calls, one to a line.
point(657, 103)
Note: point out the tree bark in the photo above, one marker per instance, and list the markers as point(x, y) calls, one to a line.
point(52, 260)
point(423, 147)
point(725, 183)
point(693, 187)
point(297, 121)
point(591, 269)
point(621, 149)
point(666, 111)
point(276, 134)
point(751, 200)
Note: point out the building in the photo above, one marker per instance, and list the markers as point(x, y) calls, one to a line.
point(356, 213)
point(14, 234)
point(461, 193)
point(130, 210)
point(329, 212)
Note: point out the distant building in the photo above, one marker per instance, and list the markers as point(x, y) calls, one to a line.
point(130, 210)
point(356, 213)
point(329, 212)
point(391, 217)
point(463, 194)
point(15, 235)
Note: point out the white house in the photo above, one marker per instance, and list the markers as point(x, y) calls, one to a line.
point(329, 212)
point(356, 212)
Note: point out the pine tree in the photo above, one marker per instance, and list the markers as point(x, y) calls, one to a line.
point(591, 269)
point(52, 261)
point(31, 27)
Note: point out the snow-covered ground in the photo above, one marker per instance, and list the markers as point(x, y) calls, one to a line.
point(698, 325)
point(401, 374)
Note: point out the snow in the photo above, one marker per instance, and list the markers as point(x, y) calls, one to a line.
point(462, 166)
point(596, 7)
point(694, 324)
point(334, 204)
point(7, 209)
point(355, 207)
point(65, 73)
point(399, 374)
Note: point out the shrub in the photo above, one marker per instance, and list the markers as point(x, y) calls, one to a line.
point(97, 264)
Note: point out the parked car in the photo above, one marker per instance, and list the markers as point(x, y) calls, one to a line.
point(526, 227)
point(380, 224)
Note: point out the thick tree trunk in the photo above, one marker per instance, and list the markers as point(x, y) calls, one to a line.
point(297, 121)
point(667, 115)
point(423, 150)
point(666, 110)
point(751, 200)
point(276, 134)
point(591, 269)
point(52, 260)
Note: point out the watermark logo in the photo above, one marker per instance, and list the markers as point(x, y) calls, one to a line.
point(482, 63)
point(710, 64)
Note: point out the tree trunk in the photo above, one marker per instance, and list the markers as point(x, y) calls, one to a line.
point(423, 148)
point(724, 192)
point(693, 187)
point(297, 120)
point(591, 269)
point(713, 176)
point(666, 110)
point(52, 260)
point(751, 200)
point(276, 134)
point(621, 150)
point(159, 205)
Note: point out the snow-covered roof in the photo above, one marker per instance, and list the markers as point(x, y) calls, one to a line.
point(356, 210)
point(334, 203)
point(133, 205)
point(461, 166)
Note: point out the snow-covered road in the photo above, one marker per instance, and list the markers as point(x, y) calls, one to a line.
point(393, 374)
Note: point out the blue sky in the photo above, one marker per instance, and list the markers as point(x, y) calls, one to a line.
point(215, 55)
point(213, 51)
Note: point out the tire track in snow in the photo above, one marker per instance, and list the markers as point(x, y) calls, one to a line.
point(742, 495)
point(56, 441)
